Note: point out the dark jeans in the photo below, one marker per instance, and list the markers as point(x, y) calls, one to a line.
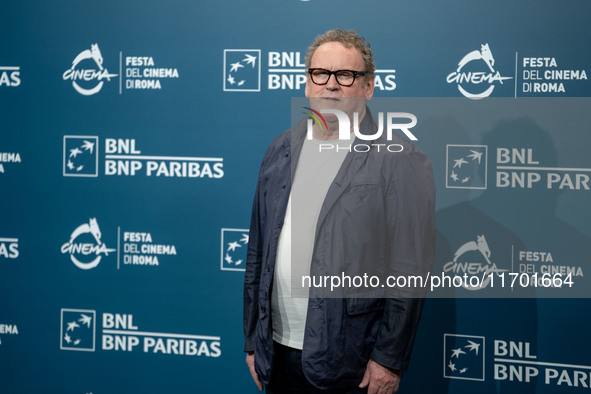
point(288, 376)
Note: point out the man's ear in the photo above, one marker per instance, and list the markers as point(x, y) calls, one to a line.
point(369, 88)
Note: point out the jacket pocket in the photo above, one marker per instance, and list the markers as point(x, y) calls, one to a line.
point(360, 306)
point(361, 188)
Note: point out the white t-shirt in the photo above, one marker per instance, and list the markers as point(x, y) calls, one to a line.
point(314, 174)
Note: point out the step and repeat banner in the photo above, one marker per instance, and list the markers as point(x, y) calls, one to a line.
point(131, 134)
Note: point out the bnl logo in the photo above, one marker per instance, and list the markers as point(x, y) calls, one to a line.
point(80, 156)
point(466, 166)
point(463, 357)
point(234, 245)
point(242, 70)
point(78, 329)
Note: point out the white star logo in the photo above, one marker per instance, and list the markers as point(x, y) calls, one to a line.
point(249, 59)
point(228, 259)
point(451, 366)
point(475, 155)
point(233, 245)
point(457, 352)
point(473, 346)
point(459, 162)
point(88, 146)
point(85, 319)
point(235, 66)
point(75, 152)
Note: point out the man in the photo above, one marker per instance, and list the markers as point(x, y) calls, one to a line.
point(316, 211)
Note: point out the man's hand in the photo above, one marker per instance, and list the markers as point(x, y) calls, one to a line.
point(381, 380)
point(250, 363)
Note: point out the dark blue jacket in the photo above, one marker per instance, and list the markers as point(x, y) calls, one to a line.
point(378, 212)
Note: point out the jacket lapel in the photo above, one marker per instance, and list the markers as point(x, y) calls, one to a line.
point(351, 165)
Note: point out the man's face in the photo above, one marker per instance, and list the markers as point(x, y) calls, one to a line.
point(335, 56)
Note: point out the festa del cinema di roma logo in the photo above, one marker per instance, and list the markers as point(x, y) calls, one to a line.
point(88, 81)
point(85, 246)
point(467, 77)
point(473, 258)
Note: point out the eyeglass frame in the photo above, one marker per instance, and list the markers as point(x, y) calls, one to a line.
point(331, 73)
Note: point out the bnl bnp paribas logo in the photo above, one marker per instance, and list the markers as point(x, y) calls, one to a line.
point(87, 73)
point(10, 76)
point(285, 70)
point(80, 156)
point(475, 75)
point(78, 330)
point(85, 247)
point(466, 166)
point(122, 157)
point(463, 357)
point(513, 361)
point(242, 70)
point(8, 248)
point(234, 244)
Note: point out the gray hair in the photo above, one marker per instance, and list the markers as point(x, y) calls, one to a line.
point(349, 38)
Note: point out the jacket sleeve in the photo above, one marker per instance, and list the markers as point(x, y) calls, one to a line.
point(252, 273)
point(411, 225)
point(254, 257)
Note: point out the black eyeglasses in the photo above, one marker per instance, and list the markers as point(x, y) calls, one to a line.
point(320, 76)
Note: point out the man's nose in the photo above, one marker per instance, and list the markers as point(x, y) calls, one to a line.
point(332, 82)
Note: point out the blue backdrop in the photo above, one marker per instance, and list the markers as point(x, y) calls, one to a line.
point(130, 139)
